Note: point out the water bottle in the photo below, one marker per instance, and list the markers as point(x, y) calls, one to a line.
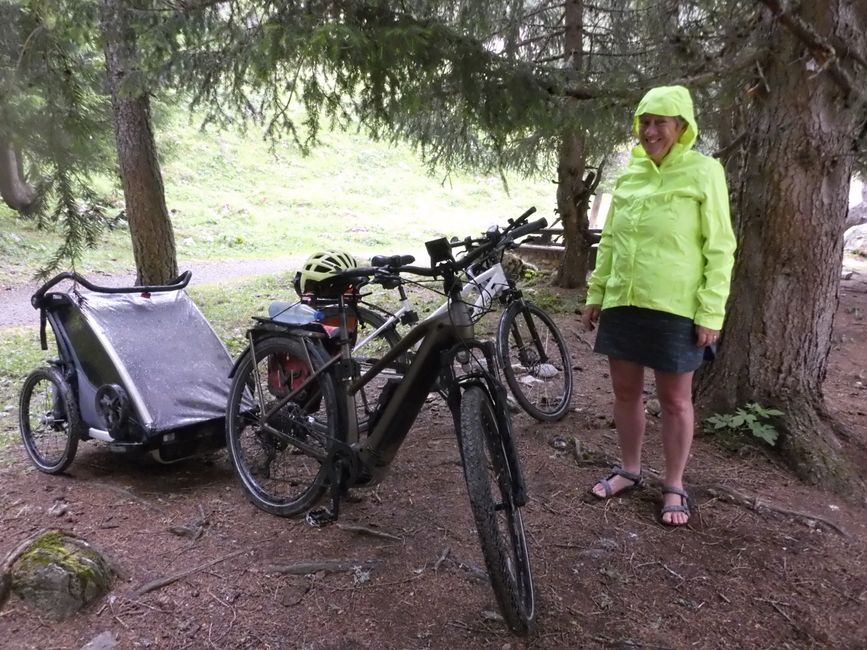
point(294, 313)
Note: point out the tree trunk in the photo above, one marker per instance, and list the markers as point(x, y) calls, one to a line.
point(572, 205)
point(16, 192)
point(153, 239)
point(792, 204)
point(572, 199)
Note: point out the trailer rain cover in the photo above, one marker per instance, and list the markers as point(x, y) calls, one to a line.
point(172, 356)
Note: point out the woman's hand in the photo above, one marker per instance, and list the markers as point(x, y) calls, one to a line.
point(590, 315)
point(705, 337)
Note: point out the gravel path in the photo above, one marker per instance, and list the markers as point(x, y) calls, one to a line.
point(15, 309)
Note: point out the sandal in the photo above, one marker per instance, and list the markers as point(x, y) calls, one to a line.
point(683, 507)
point(636, 479)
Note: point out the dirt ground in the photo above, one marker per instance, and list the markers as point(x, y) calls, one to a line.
point(765, 562)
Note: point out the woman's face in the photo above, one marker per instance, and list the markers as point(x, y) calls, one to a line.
point(657, 134)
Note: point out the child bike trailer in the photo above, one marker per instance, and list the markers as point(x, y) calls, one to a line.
point(138, 368)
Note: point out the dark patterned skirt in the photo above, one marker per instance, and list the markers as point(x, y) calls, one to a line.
point(650, 338)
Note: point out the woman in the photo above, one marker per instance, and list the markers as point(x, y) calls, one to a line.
point(660, 286)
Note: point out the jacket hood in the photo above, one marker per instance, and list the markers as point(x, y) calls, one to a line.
point(670, 101)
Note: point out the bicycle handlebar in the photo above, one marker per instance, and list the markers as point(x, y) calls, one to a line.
point(391, 265)
point(176, 284)
point(528, 228)
point(513, 231)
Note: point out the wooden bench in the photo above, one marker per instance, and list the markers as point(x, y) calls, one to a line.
point(547, 246)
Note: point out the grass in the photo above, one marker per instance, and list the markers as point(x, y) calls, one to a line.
point(232, 196)
point(21, 354)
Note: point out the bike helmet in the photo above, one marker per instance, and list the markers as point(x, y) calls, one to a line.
point(317, 275)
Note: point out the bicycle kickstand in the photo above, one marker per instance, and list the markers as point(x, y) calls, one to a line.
point(320, 517)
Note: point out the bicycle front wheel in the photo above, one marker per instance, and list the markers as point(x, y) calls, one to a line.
point(497, 517)
point(49, 420)
point(535, 361)
point(281, 425)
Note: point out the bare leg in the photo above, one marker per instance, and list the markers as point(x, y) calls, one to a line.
point(627, 380)
point(674, 391)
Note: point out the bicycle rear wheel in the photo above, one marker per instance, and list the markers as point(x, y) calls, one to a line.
point(49, 420)
point(281, 424)
point(498, 518)
point(535, 361)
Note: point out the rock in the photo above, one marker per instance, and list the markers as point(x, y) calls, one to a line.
point(58, 509)
point(57, 573)
point(105, 641)
point(653, 407)
point(855, 240)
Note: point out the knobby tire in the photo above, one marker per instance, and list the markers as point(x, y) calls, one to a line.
point(497, 517)
point(280, 457)
point(544, 398)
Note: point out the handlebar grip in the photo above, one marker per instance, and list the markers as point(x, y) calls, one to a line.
point(526, 214)
point(526, 229)
point(391, 260)
point(419, 270)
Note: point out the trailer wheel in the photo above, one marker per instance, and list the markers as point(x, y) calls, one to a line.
point(49, 420)
point(112, 404)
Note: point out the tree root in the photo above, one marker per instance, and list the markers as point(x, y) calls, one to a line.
point(163, 582)
point(328, 566)
point(365, 530)
point(757, 504)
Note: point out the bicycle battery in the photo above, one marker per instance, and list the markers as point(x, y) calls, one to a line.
point(383, 400)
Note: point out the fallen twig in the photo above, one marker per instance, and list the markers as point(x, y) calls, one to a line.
point(364, 530)
point(671, 571)
point(192, 530)
point(162, 582)
point(476, 572)
point(776, 606)
point(442, 558)
point(583, 340)
point(755, 503)
point(328, 566)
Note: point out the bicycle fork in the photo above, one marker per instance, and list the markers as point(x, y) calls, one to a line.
point(485, 378)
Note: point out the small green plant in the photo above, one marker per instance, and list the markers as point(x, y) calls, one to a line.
point(752, 418)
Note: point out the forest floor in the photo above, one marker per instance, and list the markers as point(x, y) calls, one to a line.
point(766, 561)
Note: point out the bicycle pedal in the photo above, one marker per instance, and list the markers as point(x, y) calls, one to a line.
point(320, 517)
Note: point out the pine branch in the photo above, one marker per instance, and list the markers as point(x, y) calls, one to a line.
point(823, 52)
point(746, 59)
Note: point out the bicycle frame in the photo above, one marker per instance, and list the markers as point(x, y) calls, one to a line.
point(440, 341)
point(488, 285)
point(398, 411)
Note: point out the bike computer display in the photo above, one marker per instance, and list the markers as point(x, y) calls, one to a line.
point(439, 250)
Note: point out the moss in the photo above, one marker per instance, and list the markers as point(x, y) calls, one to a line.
point(51, 548)
point(91, 575)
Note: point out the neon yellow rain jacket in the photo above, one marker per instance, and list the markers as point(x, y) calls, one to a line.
point(667, 243)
